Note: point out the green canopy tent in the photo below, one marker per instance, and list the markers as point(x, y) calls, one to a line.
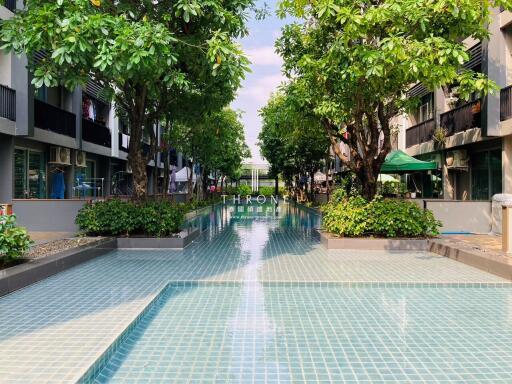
point(400, 162)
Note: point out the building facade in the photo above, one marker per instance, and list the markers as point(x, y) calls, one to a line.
point(57, 144)
point(471, 141)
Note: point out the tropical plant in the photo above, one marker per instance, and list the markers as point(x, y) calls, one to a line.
point(352, 63)
point(355, 217)
point(14, 240)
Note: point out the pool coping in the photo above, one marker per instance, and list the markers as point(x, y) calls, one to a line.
point(330, 241)
point(499, 265)
point(178, 242)
point(23, 275)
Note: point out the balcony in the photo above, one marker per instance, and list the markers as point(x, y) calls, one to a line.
point(419, 133)
point(462, 118)
point(52, 118)
point(506, 103)
point(10, 5)
point(96, 133)
point(7, 103)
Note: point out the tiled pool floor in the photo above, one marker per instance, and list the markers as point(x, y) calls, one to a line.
point(53, 331)
point(267, 333)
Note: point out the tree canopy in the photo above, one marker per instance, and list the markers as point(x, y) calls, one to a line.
point(141, 52)
point(216, 142)
point(353, 62)
point(291, 139)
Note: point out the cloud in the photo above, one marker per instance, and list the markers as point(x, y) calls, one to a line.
point(258, 91)
point(264, 56)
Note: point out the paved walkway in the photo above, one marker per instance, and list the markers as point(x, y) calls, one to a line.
point(53, 331)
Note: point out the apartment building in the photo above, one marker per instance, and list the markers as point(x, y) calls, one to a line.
point(57, 144)
point(470, 141)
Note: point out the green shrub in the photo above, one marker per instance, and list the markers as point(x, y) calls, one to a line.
point(14, 240)
point(115, 217)
point(266, 191)
point(355, 217)
point(244, 190)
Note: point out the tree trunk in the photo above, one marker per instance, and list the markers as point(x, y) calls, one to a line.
point(369, 183)
point(276, 185)
point(166, 172)
point(136, 158)
point(312, 186)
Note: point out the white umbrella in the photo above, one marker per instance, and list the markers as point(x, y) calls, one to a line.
point(387, 178)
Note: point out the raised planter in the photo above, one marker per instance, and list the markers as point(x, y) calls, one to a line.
point(20, 276)
point(330, 241)
point(178, 242)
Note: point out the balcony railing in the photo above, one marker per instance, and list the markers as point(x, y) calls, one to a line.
point(10, 4)
point(96, 133)
point(7, 103)
point(52, 118)
point(462, 118)
point(419, 133)
point(506, 103)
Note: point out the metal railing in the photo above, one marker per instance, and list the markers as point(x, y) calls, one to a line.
point(506, 103)
point(10, 4)
point(52, 118)
point(419, 133)
point(96, 133)
point(7, 103)
point(462, 118)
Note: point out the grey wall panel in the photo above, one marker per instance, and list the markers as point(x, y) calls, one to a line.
point(48, 215)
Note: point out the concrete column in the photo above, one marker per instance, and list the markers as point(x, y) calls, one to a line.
point(448, 190)
point(21, 82)
point(494, 60)
point(506, 164)
point(113, 124)
point(6, 168)
point(506, 229)
point(76, 108)
point(439, 105)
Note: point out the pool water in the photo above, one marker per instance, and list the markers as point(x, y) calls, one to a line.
point(257, 329)
point(314, 333)
point(257, 299)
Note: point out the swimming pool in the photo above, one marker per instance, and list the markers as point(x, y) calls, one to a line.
point(257, 299)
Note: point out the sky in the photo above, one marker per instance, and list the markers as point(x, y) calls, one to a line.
point(265, 76)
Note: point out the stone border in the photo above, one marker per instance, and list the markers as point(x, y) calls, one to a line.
point(330, 241)
point(20, 276)
point(178, 242)
point(499, 265)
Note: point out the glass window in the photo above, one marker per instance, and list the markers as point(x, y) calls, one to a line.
point(495, 172)
point(486, 174)
point(29, 174)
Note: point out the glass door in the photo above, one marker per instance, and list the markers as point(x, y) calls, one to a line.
point(29, 174)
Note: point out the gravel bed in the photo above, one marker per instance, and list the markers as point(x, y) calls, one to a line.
point(51, 247)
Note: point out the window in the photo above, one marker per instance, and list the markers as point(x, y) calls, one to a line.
point(29, 174)
point(426, 109)
point(485, 174)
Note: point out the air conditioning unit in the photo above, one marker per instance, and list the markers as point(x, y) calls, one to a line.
point(60, 155)
point(457, 159)
point(80, 159)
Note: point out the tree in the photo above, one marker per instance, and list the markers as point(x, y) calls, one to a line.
point(216, 143)
point(140, 52)
point(292, 139)
point(352, 63)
